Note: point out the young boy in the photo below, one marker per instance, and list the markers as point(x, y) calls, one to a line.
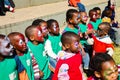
point(43, 24)
point(102, 43)
point(98, 10)
point(73, 19)
point(53, 43)
point(35, 44)
point(10, 66)
point(103, 67)
point(93, 20)
point(69, 63)
point(83, 40)
point(18, 41)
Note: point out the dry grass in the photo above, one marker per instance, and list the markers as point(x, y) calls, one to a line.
point(116, 55)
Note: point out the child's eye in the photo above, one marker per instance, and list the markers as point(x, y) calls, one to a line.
point(20, 42)
point(39, 33)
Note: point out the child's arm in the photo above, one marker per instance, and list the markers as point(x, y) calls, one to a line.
point(48, 50)
point(90, 41)
point(23, 75)
point(110, 51)
point(82, 50)
point(21, 70)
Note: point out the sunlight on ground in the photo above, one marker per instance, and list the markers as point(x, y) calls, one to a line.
point(116, 55)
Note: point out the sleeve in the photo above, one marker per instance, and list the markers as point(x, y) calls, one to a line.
point(90, 41)
point(20, 66)
point(110, 51)
point(90, 26)
point(48, 50)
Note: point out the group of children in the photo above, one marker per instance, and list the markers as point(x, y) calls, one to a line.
point(82, 52)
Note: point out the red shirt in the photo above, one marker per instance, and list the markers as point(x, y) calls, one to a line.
point(100, 46)
point(74, 64)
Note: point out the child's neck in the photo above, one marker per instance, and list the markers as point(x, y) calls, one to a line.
point(19, 53)
point(71, 26)
point(93, 20)
point(1, 57)
point(35, 42)
point(53, 34)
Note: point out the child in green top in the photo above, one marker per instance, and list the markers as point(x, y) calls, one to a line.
point(36, 46)
point(93, 19)
point(53, 43)
point(18, 41)
point(10, 66)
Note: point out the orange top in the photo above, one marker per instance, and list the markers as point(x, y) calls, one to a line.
point(74, 2)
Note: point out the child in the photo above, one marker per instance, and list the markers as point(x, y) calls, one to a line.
point(93, 20)
point(73, 19)
point(102, 43)
point(10, 66)
point(18, 41)
point(35, 44)
point(103, 67)
point(83, 40)
point(69, 63)
point(98, 10)
point(53, 44)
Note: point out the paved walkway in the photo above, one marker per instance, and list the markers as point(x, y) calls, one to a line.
point(42, 10)
point(23, 17)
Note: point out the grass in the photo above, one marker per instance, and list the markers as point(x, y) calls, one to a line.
point(116, 55)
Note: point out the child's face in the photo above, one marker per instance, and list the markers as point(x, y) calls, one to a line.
point(93, 16)
point(109, 71)
point(5, 47)
point(74, 45)
point(75, 19)
point(44, 29)
point(19, 43)
point(38, 36)
point(83, 17)
point(101, 31)
point(54, 29)
point(98, 14)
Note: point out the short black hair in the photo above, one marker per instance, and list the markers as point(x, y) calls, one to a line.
point(50, 21)
point(67, 37)
point(29, 31)
point(12, 36)
point(38, 22)
point(69, 14)
point(91, 11)
point(97, 60)
point(96, 8)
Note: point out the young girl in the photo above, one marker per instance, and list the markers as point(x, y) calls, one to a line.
point(102, 43)
point(103, 67)
point(69, 60)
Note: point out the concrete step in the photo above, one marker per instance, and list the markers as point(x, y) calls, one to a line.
point(23, 17)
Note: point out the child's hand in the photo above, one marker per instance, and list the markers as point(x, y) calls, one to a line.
point(41, 74)
point(51, 68)
point(90, 31)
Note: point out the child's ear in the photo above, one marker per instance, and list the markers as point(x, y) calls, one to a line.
point(97, 74)
point(32, 38)
point(66, 46)
point(49, 30)
point(70, 20)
